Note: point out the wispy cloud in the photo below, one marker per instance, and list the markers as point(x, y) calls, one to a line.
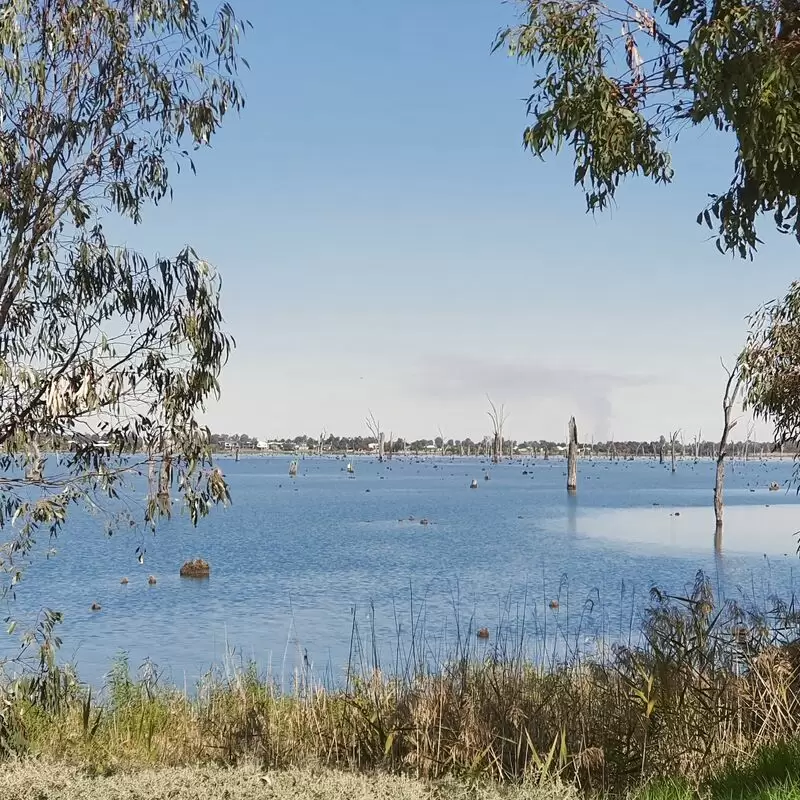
point(584, 392)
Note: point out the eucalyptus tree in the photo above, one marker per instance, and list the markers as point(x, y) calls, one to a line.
point(105, 354)
point(770, 366)
point(616, 83)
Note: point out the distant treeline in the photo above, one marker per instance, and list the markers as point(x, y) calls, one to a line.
point(467, 447)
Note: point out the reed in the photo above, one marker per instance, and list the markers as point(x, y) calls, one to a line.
point(707, 685)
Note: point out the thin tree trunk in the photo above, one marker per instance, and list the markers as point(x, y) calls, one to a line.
point(572, 457)
point(380, 446)
point(728, 401)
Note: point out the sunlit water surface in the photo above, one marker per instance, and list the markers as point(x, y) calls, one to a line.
point(296, 562)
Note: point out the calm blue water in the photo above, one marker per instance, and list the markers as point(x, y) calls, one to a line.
point(294, 561)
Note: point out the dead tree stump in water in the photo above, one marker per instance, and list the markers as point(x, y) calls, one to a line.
point(673, 437)
point(498, 416)
point(572, 457)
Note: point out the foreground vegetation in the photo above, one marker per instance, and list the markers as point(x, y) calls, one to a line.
point(707, 687)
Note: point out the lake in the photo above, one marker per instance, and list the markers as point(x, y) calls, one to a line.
point(295, 562)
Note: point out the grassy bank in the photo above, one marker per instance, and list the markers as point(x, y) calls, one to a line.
point(40, 780)
point(707, 687)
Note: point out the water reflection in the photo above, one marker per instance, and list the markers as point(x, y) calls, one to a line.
point(748, 529)
point(572, 513)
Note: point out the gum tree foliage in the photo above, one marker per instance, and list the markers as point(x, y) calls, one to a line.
point(615, 83)
point(770, 365)
point(105, 355)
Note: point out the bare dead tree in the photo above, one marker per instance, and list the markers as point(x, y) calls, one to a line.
point(374, 427)
point(661, 444)
point(321, 441)
point(673, 437)
point(391, 446)
point(732, 387)
point(683, 447)
point(572, 456)
point(750, 430)
point(441, 436)
point(697, 440)
point(498, 416)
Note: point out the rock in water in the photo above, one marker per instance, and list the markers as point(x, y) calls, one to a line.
point(198, 568)
point(96, 607)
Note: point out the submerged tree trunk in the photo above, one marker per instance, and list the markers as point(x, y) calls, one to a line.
point(673, 438)
point(381, 440)
point(728, 401)
point(572, 457)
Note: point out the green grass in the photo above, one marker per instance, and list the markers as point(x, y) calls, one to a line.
point(771, 773)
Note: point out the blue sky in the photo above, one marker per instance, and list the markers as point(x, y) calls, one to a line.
point(386, 244)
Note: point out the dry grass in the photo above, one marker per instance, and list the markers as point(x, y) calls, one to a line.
point(708, 686)
point(38, 781)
